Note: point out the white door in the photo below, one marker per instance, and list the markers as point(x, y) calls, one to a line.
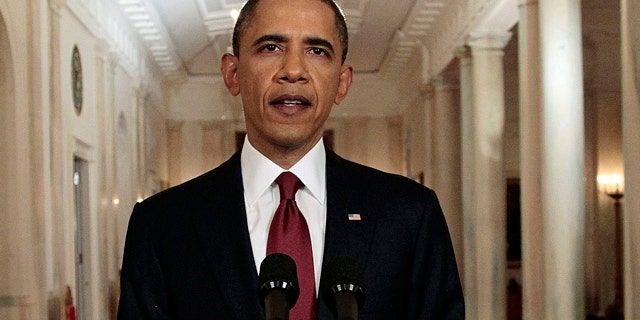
point(81, 200)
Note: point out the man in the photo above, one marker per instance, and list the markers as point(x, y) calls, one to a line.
point(194, 251)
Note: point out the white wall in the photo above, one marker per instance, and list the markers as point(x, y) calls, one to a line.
point(20, 248)
point(41, 134)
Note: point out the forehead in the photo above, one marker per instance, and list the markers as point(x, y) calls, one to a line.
point(286, 17)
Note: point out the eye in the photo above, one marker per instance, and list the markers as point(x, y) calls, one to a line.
point(270, 47)
point(318, 51)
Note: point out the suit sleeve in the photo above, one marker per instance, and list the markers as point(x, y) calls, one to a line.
point(436, 292)
point(142, 290)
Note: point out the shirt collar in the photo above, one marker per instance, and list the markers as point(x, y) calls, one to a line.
point(259, 172)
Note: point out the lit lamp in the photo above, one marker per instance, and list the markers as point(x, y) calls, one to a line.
point(613, 186)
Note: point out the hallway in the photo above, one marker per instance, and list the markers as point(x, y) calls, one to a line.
point(522, 115)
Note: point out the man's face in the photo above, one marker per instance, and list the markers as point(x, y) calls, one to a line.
point(288, 72)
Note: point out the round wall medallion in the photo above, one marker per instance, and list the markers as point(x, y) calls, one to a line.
point(76, 80)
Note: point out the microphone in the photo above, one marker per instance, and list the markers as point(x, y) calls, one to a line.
point(342, 288)
point(278, 286)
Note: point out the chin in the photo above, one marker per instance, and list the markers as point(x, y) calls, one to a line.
point(291, 140)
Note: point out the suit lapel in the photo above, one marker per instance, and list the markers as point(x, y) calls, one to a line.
point(345, 236)
point(221, 226)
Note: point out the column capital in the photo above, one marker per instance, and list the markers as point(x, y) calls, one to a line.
point(489, 40)
point(103, 48)
point(524, 3)
point(58, 4)
point(445, 83)
point(463, 52)
point(113, 59)
point(174, 125)
point(426, 89)
point(140, 86)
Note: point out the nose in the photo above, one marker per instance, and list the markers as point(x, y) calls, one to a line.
point(294, 69)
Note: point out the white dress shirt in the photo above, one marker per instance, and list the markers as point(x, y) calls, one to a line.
point(262, 197)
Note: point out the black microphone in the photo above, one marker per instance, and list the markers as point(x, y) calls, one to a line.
point(278, 286)
point(342, 288)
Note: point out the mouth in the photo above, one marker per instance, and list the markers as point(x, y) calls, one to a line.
point(290, 103)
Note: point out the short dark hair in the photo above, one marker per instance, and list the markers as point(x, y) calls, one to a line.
point(248, 10)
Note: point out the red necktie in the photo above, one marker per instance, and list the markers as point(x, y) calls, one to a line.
point(289, 234)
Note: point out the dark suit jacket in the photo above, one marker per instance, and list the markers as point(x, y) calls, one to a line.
point(188, 254)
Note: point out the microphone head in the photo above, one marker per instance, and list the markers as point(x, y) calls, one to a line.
point(342, 274)
point(278, 272)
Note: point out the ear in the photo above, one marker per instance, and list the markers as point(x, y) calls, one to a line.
point(346, 78)
point(229, 69)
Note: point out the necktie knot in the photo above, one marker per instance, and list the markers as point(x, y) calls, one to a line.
point(289, 184)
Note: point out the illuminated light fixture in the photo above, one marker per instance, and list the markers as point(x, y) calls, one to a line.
point(612, 185)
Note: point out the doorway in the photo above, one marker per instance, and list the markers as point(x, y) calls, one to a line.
point(81, 208)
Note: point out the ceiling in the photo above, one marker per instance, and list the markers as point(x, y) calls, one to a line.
point(189, 36)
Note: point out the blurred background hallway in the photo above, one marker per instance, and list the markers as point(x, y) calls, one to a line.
point(522, 115)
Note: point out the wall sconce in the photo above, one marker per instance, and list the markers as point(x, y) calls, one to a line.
point(612, 185)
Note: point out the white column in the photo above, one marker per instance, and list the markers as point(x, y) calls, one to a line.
point(106, 62)
point(174, 151)
point(428, 135)
point(562, 167)
point(191, 150)
point(40, 192)
point(61, 257)
point(140, 90)
point(530, 193)
point(446, 158)
point(489, 183)
point(597, 266)
point(212, 143)
point(467, 172)
point(630, 9)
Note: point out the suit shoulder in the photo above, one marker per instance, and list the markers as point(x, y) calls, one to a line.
point(365, 177)
point(208, 184)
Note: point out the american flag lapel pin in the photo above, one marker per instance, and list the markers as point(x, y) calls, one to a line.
point(354, 217)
